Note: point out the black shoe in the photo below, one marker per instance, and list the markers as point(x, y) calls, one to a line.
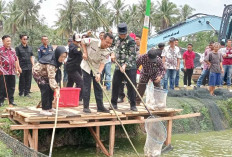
point(13, 104)
point(115, 107)
point(134, 108)
point(28, 95)
point(120, 100)
point(86, 110)
point(103, 109)
point(20, 94)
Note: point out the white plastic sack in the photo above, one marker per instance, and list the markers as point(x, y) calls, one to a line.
point(155, 98)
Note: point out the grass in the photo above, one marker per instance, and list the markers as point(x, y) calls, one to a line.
point(4, 151)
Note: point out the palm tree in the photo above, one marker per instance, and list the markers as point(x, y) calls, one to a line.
point(165, 15)
point(28, 12)
point(185, 11)
point(3, 14)
point(93, 21)
point(118, 8)
point(69, 17)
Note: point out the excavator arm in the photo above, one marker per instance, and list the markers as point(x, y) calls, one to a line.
point(190, 26)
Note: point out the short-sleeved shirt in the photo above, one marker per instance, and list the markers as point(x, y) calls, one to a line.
point(44, 51)
point(96, 55)
point(125, 52)
point(228, 52)
point(215, 59)
point(207, 52)
point(150, 70)
point(24, 54)
point(171, 56)
point(7, 61)
point(74, 58)
point(189, 59)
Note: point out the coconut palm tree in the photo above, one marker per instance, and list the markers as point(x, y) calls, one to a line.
point(3, 14)
point(185, 11)
point(165, 14)
point(92, 17)
point(28, 12)
point(118, 8)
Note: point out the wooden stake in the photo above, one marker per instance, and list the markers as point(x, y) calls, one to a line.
point(35, 139)
point(25, 137)
point(98, 141)
point(112, 140)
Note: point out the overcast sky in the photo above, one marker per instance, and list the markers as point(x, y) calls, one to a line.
point(212, 7)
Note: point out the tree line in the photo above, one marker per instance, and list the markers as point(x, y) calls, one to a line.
point(22, 16)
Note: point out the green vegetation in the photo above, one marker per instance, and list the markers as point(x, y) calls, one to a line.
point(22, 16)
point(4, 151)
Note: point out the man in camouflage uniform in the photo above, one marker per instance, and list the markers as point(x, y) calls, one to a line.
point(126, 56)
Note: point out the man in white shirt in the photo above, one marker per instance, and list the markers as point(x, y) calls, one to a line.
point(171, 60)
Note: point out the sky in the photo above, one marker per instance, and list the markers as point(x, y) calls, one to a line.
point(212, 7)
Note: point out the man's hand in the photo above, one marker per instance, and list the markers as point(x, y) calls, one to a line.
point(17, 73)
point(185, 69)
point(89, 33)
point(85, 56)
point(112, 57)
point(222, 71)
point(123, 68)
point(20, 70)
point(177, 68)
point(157, 80)
point(98, 77)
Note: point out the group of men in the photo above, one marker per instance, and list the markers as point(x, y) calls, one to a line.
point(226, 52)
point(89, 59)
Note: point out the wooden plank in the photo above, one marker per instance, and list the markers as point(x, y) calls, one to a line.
point(25, 137)
point(73, 118)
point(102, 147)
point(103, 123)
point(112, 140)
point(169, 133)
point(97, 133)
point(5, 115)
point(35, 139)
point(72, 122)
point(30, 140)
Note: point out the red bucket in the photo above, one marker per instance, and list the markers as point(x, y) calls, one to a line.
point(69, 97)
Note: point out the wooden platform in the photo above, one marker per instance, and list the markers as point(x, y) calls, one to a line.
point(29, 118)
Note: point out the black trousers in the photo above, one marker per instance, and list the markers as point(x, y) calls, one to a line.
point(25, 82)
point(87, 90)
point(121, 93)
point(188, 76)
point(10, 84)
point(47, 96)
point(117, 81)
point(76, 77)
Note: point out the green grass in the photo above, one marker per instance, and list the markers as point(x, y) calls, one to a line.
point(4, 151)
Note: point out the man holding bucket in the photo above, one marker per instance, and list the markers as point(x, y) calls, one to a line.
point(153, 69)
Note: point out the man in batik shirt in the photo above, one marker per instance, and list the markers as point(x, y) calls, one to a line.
point(153, 70)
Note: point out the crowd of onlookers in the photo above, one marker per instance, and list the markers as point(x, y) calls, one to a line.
point(88, 59)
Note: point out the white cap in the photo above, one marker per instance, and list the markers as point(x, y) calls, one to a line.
point(77, 37)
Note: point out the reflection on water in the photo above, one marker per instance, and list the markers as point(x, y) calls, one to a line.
point(209, 144)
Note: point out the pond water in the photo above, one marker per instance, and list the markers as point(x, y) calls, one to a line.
point(207, 144)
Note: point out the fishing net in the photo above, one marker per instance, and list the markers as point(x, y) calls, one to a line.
point(156, 135)
point(18, 148)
